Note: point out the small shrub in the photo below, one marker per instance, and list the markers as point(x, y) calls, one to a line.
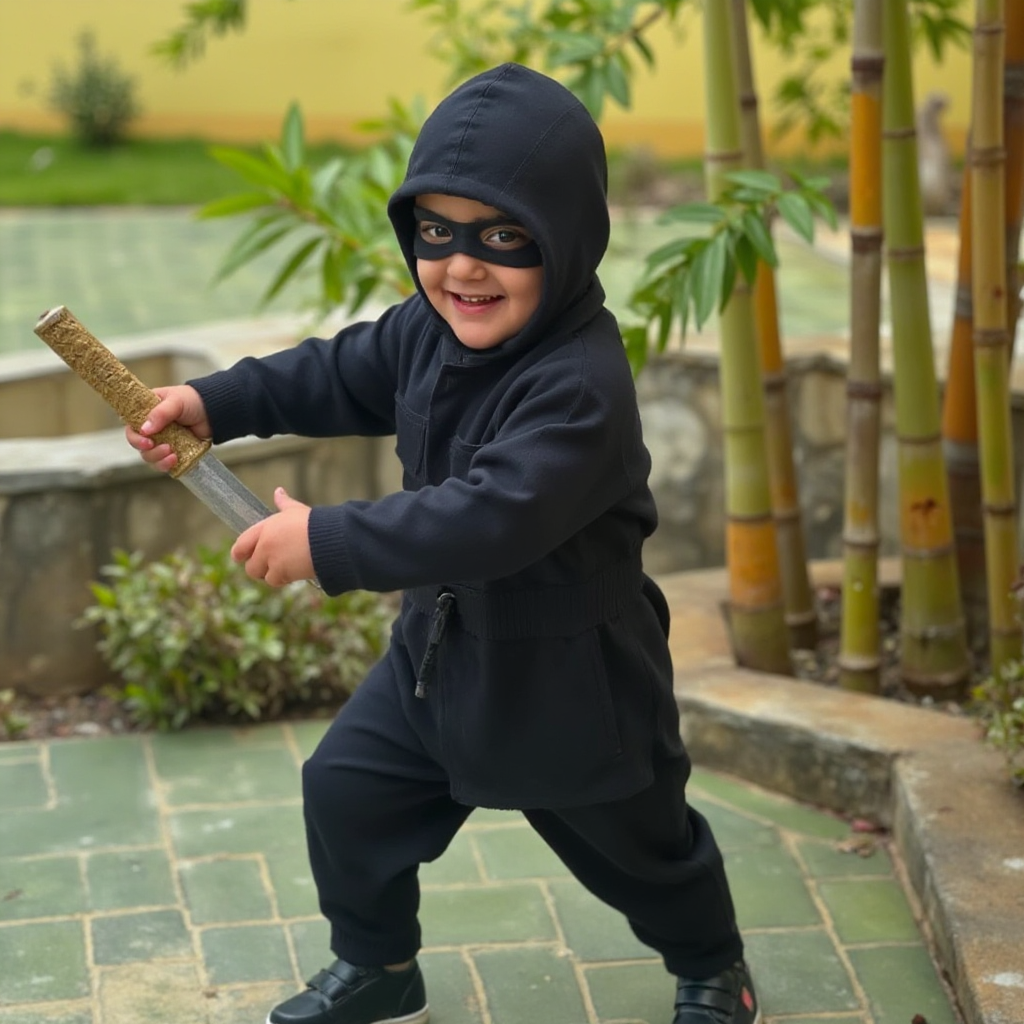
point(97, 97)
point(11, 723)
point(193, 637)
point(999, 702)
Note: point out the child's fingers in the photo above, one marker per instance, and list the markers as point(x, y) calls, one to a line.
point(245, 545)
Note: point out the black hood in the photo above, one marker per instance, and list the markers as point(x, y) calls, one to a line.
point(521, 142)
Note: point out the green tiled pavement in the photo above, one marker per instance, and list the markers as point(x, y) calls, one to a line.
point(162, 879)
point(128, 270)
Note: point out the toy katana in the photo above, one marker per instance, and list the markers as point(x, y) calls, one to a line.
point(202, 473)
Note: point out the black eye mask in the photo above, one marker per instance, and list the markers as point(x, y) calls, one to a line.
point(468, 239)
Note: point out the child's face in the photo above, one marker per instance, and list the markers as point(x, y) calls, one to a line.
point(484, 303)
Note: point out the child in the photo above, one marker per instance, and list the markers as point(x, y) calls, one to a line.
point(529, 665)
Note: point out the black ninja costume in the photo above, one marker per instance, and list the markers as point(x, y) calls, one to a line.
point(527, 624)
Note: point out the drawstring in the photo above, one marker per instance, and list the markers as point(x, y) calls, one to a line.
point(445, 606)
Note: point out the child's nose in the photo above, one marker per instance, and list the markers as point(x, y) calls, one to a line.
point(464, 266)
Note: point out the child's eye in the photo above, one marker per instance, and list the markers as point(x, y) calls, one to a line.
point(507, 238)
point(434, 233)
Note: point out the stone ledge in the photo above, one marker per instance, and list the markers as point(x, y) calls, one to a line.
point(957, 821)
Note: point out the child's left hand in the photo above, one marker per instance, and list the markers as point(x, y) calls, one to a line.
point(276, 549)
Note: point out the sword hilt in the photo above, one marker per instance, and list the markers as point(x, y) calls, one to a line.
point(115, 383)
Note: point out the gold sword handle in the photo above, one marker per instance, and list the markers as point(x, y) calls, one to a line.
point(115, 383)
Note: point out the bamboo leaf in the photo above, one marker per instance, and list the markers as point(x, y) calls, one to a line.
point(616, 82)
point(254, 169)
point(796, 212)
point(755, 230)
point(573, 48)
point(289, 270)
point(746, 258)
point(761, 183)
point(249, 246)
point(694, 213)
point(243, 202)
point(292, 144)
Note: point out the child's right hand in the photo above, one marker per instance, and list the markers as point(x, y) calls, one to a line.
point(180, 403)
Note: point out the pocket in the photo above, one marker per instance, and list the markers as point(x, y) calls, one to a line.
point(460, 456)
point(410, 443)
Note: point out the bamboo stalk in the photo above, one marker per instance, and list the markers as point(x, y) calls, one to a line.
point(801, 616)
point(859, 649)
point(933, 649)
point(1013, 139)
point(756, 611)
point(991, 339)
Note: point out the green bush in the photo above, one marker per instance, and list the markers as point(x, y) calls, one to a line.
point(192, 637)
point(999, 702)
point(96, 97)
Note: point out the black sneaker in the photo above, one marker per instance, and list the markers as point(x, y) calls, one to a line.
point(727, 998)
point(346, 994)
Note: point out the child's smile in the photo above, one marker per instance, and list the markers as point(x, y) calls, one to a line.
point(485, 303)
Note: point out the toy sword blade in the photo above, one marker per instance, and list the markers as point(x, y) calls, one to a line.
point(201, 472)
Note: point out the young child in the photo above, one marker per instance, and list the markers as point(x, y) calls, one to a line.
point(529, 665)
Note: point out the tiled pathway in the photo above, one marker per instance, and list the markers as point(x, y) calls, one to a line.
point(162, 880)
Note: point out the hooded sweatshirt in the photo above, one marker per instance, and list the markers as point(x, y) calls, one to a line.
point(534, 640)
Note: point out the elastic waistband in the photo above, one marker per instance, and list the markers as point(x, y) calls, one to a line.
point(539, 611)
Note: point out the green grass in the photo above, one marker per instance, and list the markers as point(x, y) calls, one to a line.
point(37, 170)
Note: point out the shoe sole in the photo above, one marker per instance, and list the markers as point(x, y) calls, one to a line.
point(419, 1017)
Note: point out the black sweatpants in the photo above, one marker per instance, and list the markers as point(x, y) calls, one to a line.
point(377, 805)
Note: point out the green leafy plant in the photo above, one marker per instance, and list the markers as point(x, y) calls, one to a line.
point(999, 703)
point(336, 213)
point(96, 96)
point(693, 276)
point(12, 724)
point(192, 637)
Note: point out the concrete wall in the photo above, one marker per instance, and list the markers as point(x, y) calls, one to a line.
point(342, 59)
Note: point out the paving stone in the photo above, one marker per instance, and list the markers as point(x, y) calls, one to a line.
point(457, 863)
point(248, 1004)
point(311, 942)
point(43, 887)
point(777, 809)
point(500, 913)
point(308, 735)
point(102, 800)
point(594, 931)
point(733, 829)
point(42, 962)
point(517, 853)
point(799, 972)
point(19, 752)
point(148, 935)
point(131, 878)
point(224, 890)
point(824, 860)
point(47, 1015)
point(292, 880)
point(525, 986)
point(901, 983)
point(768, 889)
point(217, 774)
point(204, 833)
point(869, 910)
point(22, 784)
point(246, 953)
point(451, 994)
point(634, 992)
point(164, 993)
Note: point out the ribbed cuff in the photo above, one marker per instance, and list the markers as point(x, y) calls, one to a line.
point(329, 548)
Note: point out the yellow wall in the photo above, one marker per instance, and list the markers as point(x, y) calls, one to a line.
point(340, 59)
